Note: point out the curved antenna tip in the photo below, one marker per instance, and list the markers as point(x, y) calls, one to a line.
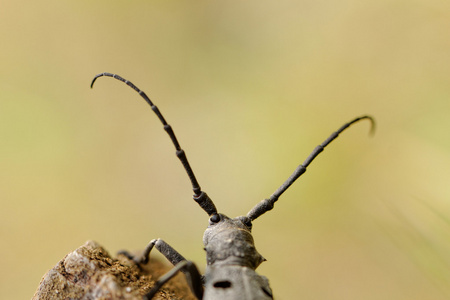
point(372, 124)
point(95, 78)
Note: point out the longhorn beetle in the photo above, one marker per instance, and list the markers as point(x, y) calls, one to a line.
point(230, 250)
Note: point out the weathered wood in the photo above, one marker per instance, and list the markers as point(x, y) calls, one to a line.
point(90, 272)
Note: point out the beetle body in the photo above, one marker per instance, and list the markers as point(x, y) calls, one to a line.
point(231, 261)
point(224, 282)
point(230, 249)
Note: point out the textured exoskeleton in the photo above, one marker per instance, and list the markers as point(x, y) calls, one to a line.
point(230, 250)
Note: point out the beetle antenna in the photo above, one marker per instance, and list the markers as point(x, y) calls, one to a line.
point(199, 196)
point(267, 204)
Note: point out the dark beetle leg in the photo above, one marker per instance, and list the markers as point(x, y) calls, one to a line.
point(193, 278)
point(171, 254)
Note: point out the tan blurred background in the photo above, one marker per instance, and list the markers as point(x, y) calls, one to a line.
point(250, 87)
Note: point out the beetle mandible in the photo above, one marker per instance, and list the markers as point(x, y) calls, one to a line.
point(230, 250)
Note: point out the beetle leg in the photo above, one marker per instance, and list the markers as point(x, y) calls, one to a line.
point(170, 253)
point(193, 278)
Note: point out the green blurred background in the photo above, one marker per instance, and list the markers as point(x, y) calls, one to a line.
point(250, 87)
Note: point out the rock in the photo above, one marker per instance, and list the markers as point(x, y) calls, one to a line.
point(90, 273)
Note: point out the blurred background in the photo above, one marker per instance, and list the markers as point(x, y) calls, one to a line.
point(250, 88)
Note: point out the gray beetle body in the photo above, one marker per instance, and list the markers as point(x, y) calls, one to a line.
point(231, 262)
point(244, 283)
point(230, 250)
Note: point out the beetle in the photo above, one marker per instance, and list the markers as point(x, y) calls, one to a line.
point(230, 249)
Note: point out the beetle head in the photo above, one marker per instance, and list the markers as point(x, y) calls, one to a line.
point(230, 241)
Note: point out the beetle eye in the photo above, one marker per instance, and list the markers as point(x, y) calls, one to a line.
point(248, 223)
point(215, 218)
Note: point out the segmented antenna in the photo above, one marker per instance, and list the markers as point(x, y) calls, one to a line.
point(199, 196)
point(267, 204)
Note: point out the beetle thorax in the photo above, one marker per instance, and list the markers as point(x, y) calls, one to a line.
point(230, 242)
